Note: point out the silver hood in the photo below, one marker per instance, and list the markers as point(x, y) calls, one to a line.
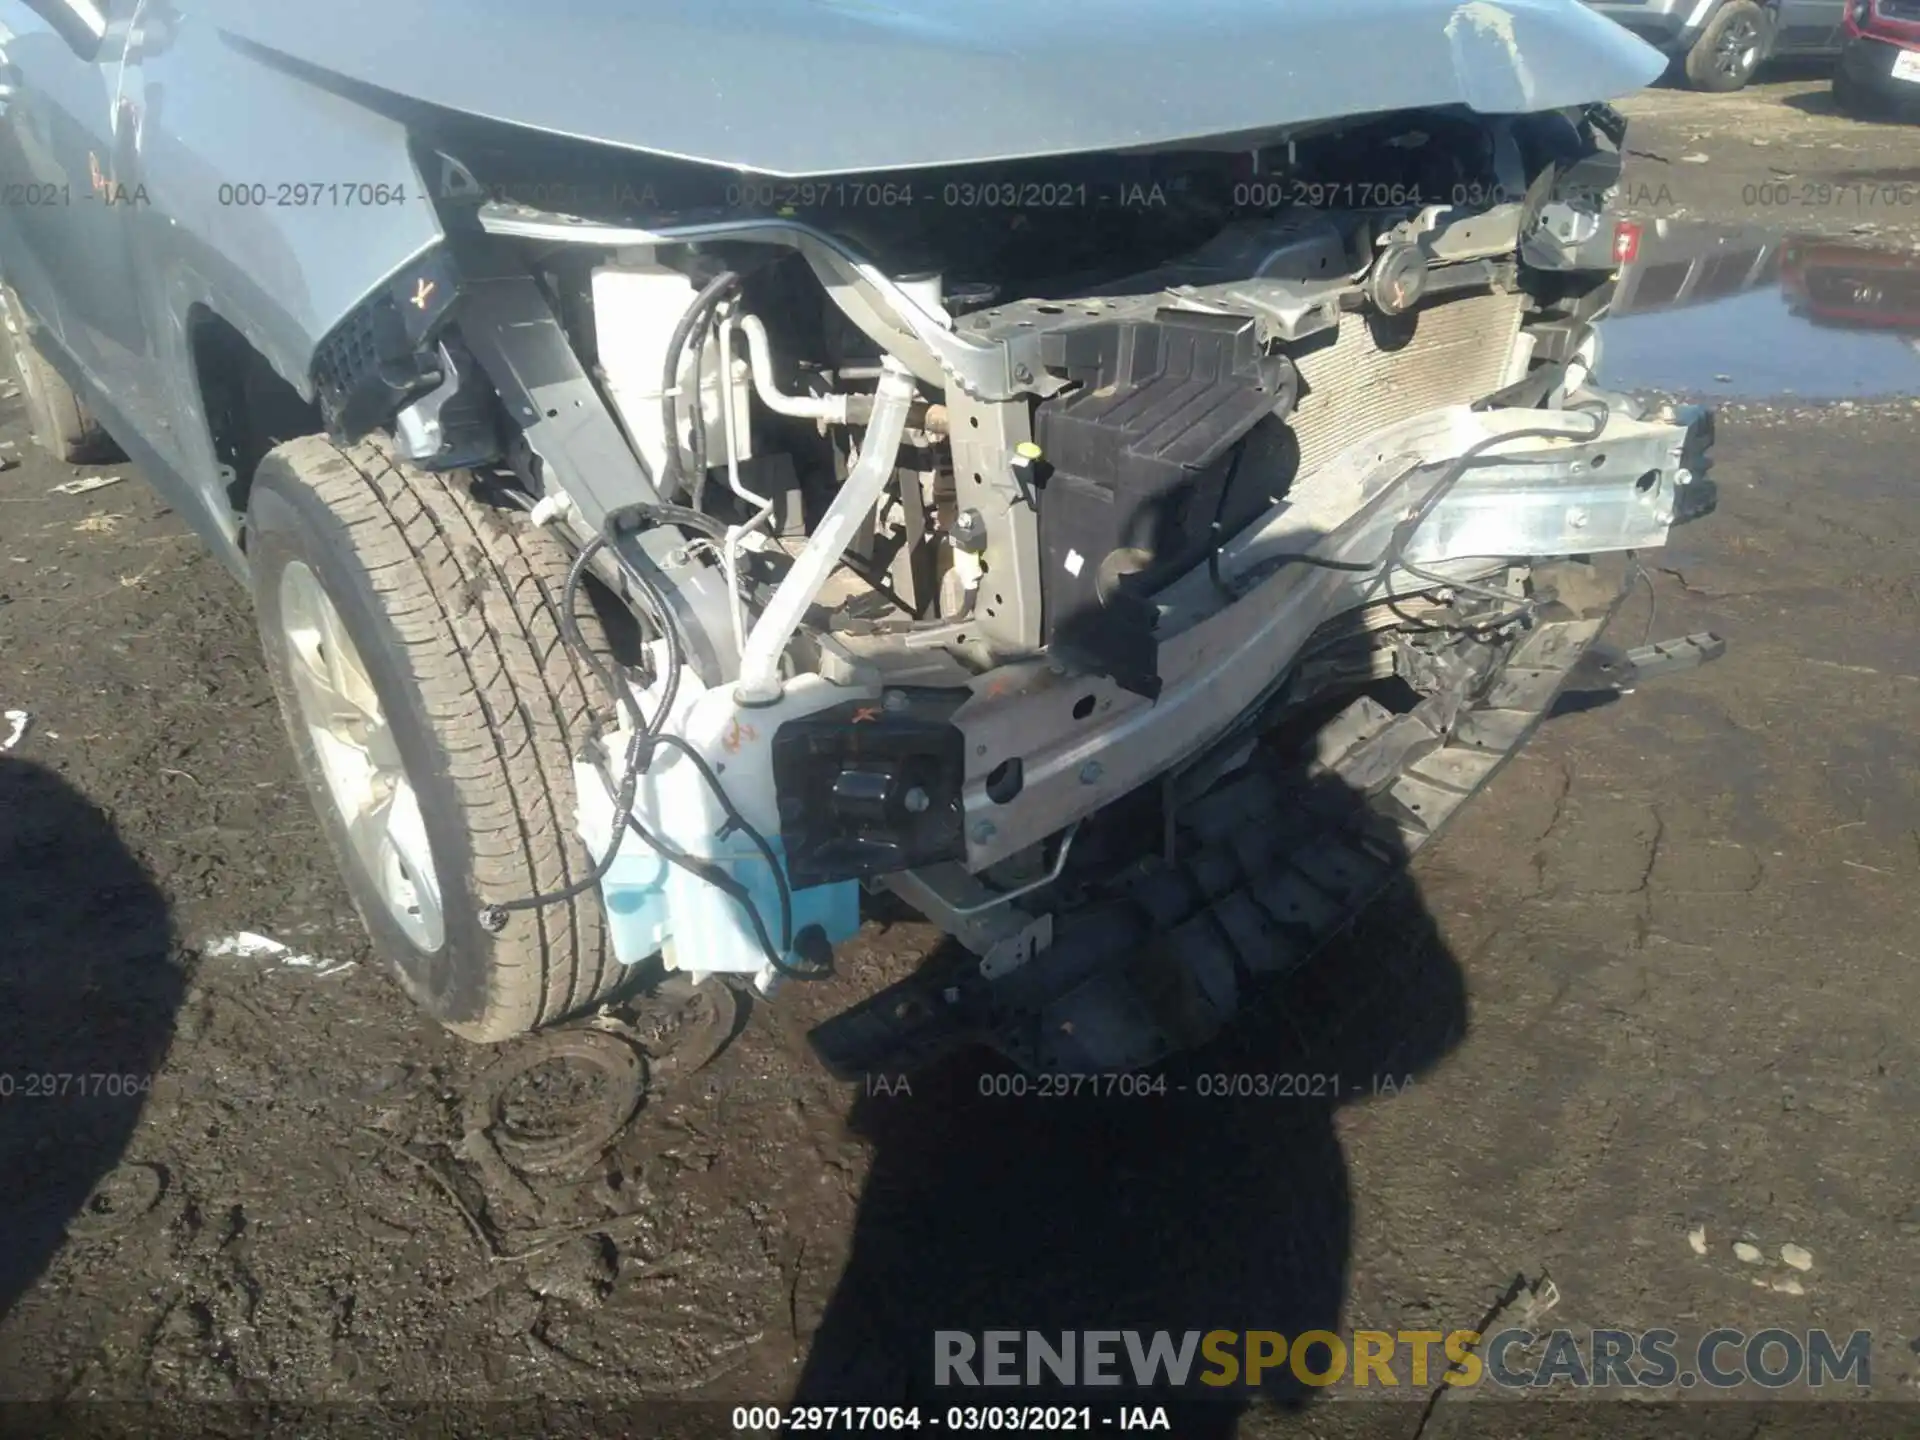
point(821, 87)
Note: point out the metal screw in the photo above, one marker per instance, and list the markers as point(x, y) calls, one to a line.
point(1576, 519)
point(917, 801)
point(894, 700)
point(1683, 477)
point(1091, 772)
point(1023, 374)
point(984, 831)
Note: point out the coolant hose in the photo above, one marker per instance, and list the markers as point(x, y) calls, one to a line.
point(831, 408)
point(879, 452)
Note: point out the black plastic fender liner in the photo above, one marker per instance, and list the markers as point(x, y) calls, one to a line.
point(382, 355)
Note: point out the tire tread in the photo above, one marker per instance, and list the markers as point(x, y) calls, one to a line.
point(473, 594)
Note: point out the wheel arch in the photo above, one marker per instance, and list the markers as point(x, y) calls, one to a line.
point(246, 404)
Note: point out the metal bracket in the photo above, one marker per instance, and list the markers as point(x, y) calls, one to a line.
point(1609, 670)
point(418, 433)
point(985, 436)
point(512, 332)
point(1670, 657)
point(959, 904)
point(1018, 948)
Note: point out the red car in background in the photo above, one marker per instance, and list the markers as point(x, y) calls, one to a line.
point(1879, 69)
point(1852, 287)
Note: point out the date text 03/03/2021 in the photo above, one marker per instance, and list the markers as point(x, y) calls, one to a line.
point(1208, 1085)
point(955, 1419)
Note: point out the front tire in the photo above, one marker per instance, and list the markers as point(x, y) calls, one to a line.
point(1853, 99)
point(413, 638)
point(1730, 49)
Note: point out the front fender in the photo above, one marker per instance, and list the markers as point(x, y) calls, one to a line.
point(274, 203)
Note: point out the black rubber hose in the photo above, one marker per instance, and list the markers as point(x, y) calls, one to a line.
point(697, 428)
point(673, 480)
point(638, 760)
point(697, 421)
point(493, 917)
point(1402, 537)
point(737, 821)
point(667, 514)
point(1466, 460)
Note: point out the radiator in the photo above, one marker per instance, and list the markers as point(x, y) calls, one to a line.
point(1457, 351)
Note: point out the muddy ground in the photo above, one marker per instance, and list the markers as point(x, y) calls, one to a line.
point(1659, 977)
point(1775, 154)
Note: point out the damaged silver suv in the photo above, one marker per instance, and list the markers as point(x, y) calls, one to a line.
point(695, 463)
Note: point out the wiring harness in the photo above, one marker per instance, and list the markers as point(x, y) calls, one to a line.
point(646, 735)
point(1393, 556)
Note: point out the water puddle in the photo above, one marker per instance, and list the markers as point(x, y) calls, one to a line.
point(1751, 314)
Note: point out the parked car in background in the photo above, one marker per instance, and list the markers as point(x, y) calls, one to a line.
point(1718, 44)
point(1879, 71)
point(1852, 287)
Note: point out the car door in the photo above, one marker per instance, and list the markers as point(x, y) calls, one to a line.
point(65, 231)
point(1810, 27)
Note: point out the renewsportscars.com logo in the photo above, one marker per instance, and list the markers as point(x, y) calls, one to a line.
point(1414, 1360)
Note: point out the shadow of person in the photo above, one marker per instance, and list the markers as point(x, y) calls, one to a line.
point(1217, 1202)
point(88, 995)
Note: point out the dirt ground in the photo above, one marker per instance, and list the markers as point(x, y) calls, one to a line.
point(1660, 976)
point(1775, 154)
